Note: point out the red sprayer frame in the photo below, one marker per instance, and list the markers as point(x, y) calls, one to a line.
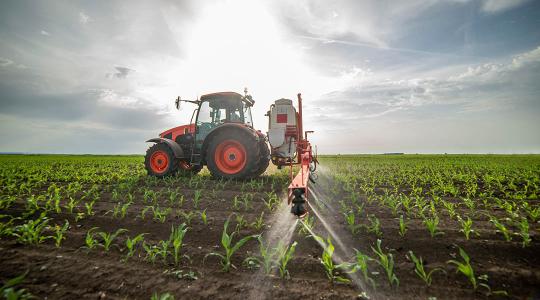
point(298, 189)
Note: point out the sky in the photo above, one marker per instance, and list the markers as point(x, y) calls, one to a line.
point(430, 76)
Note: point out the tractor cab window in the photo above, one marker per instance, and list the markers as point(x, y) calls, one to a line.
point(247, 116)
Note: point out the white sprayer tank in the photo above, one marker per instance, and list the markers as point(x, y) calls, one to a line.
point(282, 115)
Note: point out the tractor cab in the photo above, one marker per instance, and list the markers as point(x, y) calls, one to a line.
point(221, 108)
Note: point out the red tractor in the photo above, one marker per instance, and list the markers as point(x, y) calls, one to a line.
point(221, 137)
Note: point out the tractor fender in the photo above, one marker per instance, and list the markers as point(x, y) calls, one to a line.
point(239, 128)
point(177, 150)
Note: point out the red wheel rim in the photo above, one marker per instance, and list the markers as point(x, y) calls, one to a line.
point(184, 165)
point(230, 157)
point(159, 161)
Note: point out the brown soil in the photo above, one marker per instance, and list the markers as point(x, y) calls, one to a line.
point(72, 272)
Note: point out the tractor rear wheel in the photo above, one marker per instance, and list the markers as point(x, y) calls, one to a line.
point(232, 155)
point(160, 161)
point(264, 158)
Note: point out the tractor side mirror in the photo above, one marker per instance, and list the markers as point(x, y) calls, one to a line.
point(177, 102)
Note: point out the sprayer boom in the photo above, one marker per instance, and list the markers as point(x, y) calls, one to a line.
point(290, 147)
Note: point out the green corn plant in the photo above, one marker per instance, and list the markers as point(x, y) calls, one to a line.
point(466, 226)
point(187, 216)
point(131, 243)
point(89, 240)
point(266, 256)
point(173, 196)
point(151, 252)
point(89, 208)
point(71, 204)
point(228, 248)
point(272, 202)
point(163, 250)
point(361, 263)
point(240, 222)
point(59, 233)
point(236, 203)
point(9, 290)
point(386, 261)
point(177, 240)
point(258, 224)
point(523, 226)
point(31, 231)
point(246, 200)
point(432, 225)
point(466, 268)
point(108, 238)
point(165, 296)
point(307, 225)
point(326, 260)
point(421, 271)
point(501, 228)
point(204, 218)
point(450, 208)
point(284, 255)
point(197, 198)
point(375, 225)
point(402, 226)
point(351, 223)
point(160, 214)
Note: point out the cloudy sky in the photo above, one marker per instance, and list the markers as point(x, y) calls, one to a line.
point(411, 76)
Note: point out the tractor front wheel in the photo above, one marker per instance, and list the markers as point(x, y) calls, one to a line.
point(160, 161)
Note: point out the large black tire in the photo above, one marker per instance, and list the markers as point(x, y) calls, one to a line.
point(159, 160)
point(264, 158)
point(232, 139)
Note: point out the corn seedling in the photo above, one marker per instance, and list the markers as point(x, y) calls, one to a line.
point(236, 203)
point(402, 226)
point(240, 222)
point(386, 261)
point(204, 217)
point(163, 249)
point(89, 208)
point(89, 240)
point(326, 260)
point(361, 263)
point(151, 252)
point(284, 255)
point(421, 271)
point(466, 268)
point(166, 296)
point(374, 226)
point(31, 231)
point(351, 223)
point(259, 222)
point(266, 256)
point(131, 243)
point(9, 291)
point(177, 240)
point(59, 233)
point(466, 226)
point(501, 228)
point(432, 225)
point(228, 248)
point(108, 238)
point(187, 216)
point(307, 225)
point(524, 232)
point(197, 198)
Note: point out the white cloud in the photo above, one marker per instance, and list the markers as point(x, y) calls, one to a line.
point(496, 6)
point(4, 62)
point(45, 33)
point(84, 18)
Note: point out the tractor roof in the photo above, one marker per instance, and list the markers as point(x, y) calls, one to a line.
point(221, 95)
point(226, 96)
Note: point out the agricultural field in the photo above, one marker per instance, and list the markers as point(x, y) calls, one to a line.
point(379, 227)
